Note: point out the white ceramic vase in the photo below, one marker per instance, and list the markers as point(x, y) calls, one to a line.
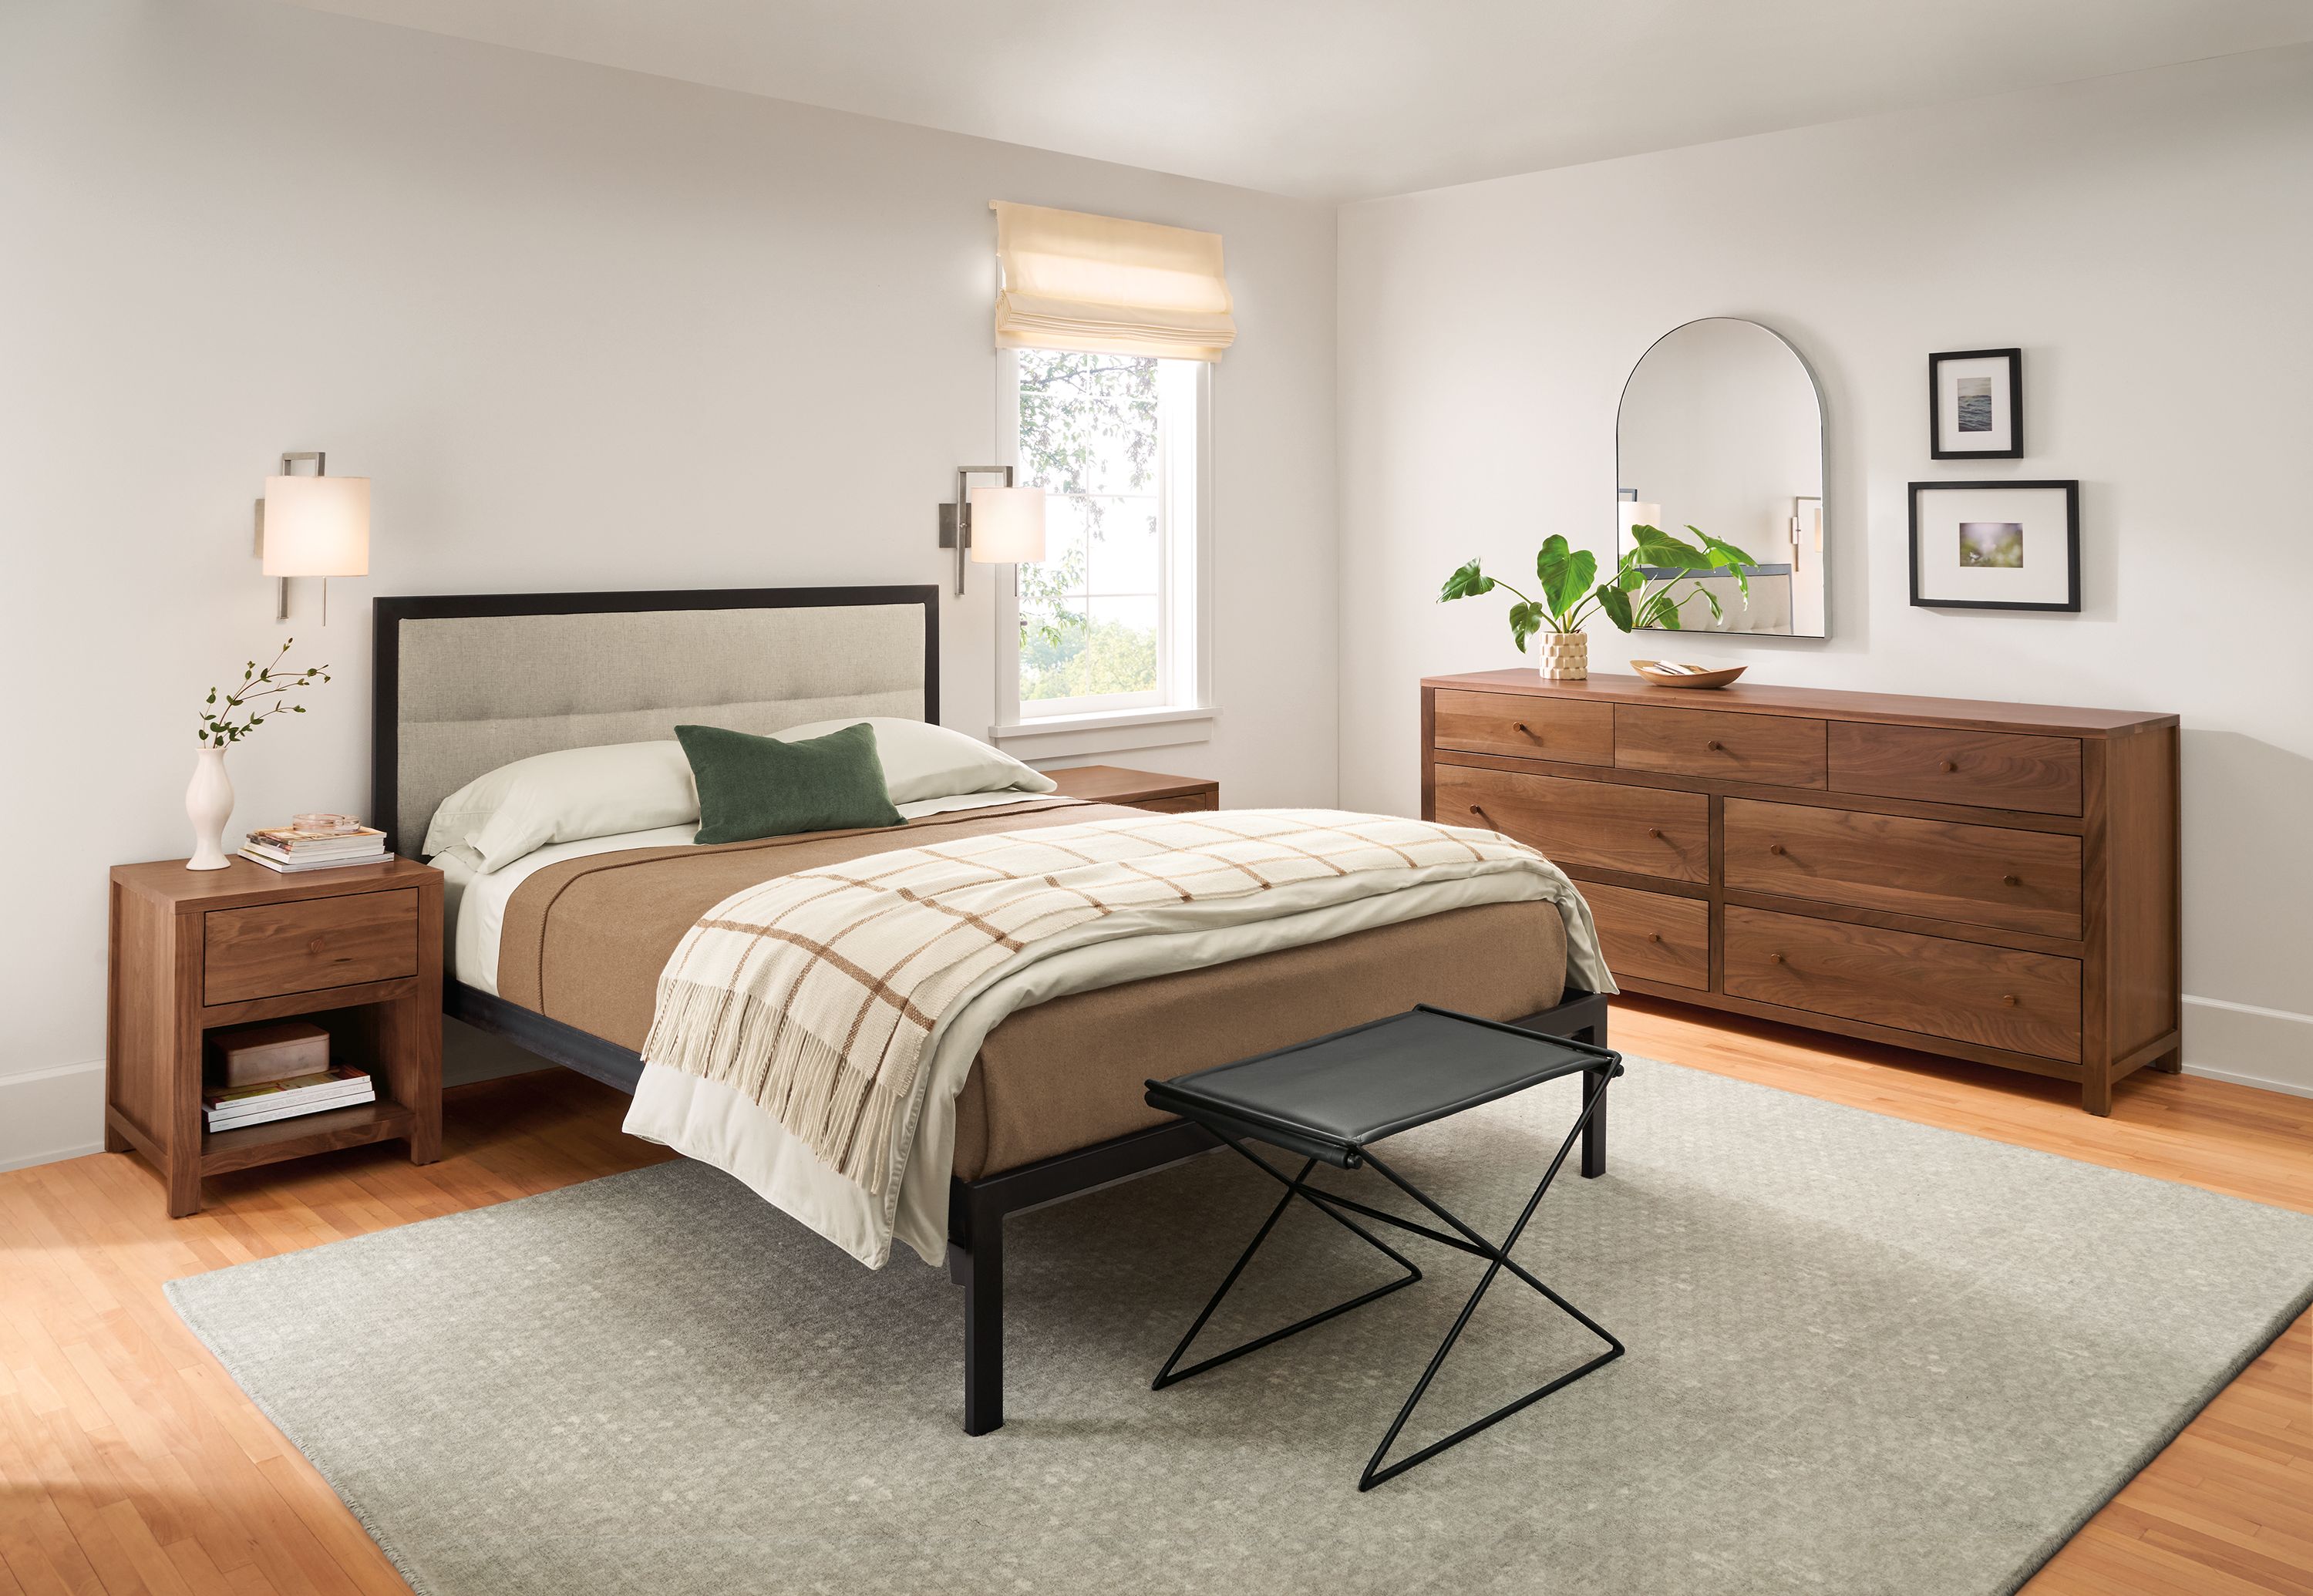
point(1565, 655)
point(209, 804)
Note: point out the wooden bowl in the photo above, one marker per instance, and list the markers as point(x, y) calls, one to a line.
point(1652, 670)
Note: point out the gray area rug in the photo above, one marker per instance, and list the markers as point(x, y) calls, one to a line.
point(1864, 1356)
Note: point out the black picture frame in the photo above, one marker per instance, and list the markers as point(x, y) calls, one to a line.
point(2069, 605)
point(1936, 441)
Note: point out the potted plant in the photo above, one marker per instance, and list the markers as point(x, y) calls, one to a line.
point(1643, 592)
point(260, 696)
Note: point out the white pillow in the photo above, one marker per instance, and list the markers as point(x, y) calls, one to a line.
point(922, 761)
point(564, 797)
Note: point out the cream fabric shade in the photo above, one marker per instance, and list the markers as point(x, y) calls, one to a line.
point(317, 526)
point(1073, 281)
point(1008, 526)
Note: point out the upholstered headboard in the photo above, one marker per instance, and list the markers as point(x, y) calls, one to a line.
point(466, 683)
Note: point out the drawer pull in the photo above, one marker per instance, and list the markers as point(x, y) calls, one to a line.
point(1521, 726)
point(1715, 745)
point(1774, 958)
point(1654, 936)
point(1654, 831)
point(1775, 847)
point(1948, 766)
point(2011, 881)
point(2008, 999)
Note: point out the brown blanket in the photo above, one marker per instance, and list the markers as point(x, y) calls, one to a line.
point(585, 941)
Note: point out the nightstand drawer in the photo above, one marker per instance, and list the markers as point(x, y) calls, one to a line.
point(308, 945)
point(1188, 803)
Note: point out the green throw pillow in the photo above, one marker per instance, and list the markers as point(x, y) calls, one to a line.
point(753, 786)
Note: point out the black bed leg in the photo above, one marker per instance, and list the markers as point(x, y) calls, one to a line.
point(979, 1270)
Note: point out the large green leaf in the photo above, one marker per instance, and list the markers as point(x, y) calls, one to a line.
point(1616, 604)
point(1657, 548)
point(1466, 582)
point(1566, 574)
point(1726, 556)
point(1526, 620)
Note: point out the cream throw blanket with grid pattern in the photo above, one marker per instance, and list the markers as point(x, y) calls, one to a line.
point(819, 996)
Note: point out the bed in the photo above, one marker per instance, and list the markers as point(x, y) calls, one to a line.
point(560, 956)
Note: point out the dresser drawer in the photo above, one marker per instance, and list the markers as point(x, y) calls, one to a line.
point(2025, 1002)
point(1773, 750)
point(1643, 830)
point(1982, 875)
point(1993, 769)
point(1524, 727)
point(1652, 936)
point(306, 945)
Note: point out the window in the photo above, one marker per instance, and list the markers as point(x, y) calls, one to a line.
point(1108, 624)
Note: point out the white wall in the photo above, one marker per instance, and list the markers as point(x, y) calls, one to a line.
point(583, 328)
point(2144, 239)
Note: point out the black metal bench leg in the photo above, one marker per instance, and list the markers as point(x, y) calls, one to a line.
point(1168, 1375)
point(1498, 1259)
point(978, 1269)
point(1594, 1131)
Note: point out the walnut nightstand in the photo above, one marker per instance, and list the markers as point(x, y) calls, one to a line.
point(1138, 789)
point(357, 950)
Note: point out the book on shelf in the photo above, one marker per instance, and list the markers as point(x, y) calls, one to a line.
point(341, 1086)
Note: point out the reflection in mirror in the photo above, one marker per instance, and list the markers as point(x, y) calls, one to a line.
point(1721, 428)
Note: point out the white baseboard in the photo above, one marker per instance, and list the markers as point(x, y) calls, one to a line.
point(2249, 1046)
point(49, 1114)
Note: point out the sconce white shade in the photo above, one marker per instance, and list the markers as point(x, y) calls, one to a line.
point(1008, 526)
point(1635, 513)
point(317, 526)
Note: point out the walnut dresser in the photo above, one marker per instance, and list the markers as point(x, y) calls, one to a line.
point(1995, 882)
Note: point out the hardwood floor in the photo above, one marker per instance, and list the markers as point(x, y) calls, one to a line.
point(129, 1462)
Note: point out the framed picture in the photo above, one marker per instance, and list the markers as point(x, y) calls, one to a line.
point(1975, 404)
point(1996, 545)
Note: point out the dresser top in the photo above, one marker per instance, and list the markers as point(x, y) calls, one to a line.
point(1820, 703)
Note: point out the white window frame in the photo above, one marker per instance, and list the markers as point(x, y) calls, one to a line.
point(1182, 708)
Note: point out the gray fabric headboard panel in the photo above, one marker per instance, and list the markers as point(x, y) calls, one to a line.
point(470, 691)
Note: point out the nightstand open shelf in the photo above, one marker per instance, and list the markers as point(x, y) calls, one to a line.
point(357, 950)
point(248, 1146)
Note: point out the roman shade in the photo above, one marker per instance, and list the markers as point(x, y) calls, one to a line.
point(1073, 281)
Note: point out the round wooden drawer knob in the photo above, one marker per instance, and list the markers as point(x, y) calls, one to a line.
point(2008, 999)
point(1715, 746)
point(1654, 831)
point(1775, 847)
point(1949, 767)
point(1774, 958)
point(1521, 726)
point(2011, 881)
point(1476, 810)
point(1654, 936)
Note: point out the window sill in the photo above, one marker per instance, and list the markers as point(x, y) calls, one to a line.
point(1117, 731)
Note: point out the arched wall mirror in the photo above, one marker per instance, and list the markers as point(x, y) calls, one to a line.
point(1721, 428)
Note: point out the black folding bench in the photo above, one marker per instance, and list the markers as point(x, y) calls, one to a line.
point(1331, 1099)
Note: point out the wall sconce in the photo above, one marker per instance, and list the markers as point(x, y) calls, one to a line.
point(992, 525)
point(313, 526)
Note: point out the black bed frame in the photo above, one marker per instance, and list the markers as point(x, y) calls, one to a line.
point(977, 1209)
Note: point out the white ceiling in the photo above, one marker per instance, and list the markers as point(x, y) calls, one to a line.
point(1349, 99)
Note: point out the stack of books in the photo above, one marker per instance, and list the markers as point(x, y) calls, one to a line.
point(341, 1086)
point(286, 847)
